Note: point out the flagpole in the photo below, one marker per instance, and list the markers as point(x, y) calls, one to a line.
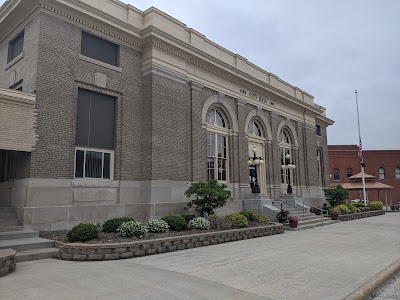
point(360, 154)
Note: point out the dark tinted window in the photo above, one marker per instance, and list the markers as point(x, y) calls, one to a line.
point(318, 130)
point(95, 120)
point(336, 174)
point(16, 46)
point(99, 49)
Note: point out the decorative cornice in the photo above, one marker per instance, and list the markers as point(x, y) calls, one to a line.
point(72, 17)
point(152, 69)
point(196, 86)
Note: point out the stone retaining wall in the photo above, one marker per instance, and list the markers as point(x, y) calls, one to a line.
point(93, 252)
point(7, 261)
point(364, 214)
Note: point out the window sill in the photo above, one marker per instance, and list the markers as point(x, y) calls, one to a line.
point(100, 63)
point(14, 61)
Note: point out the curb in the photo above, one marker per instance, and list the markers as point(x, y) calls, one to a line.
point(367, 289)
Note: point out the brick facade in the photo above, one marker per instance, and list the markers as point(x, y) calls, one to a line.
point(160, 124)
point(343, 157)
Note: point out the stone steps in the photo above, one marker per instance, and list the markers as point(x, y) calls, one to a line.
point(26, 244)
point(7, 215)
point(20, 234)
point(9, 209)
point(10, 228)
point(9, 222)
point(304, 226)
point(35, 254)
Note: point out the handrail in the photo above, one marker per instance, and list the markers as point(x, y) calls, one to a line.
point(303, 207)
point(291, 204)
point(318, 208)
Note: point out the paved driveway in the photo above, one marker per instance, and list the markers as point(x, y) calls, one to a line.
point(322, 263)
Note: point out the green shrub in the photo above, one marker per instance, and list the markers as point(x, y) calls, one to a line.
point(188, 218)
point(335, 212)
point(157, 226)
point(217, 222)
point(208, 195)
point(358, 204)
point(175, 223)
point(376, 205)
point(238, 220)
point(113, 224)
point(352, 208)
point(199, 223)
point(133, 228)
point(254, 216)
point(344, 210)
point(82, 233)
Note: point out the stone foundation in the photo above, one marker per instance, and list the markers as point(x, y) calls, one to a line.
point(7, 261)
point(94, 252)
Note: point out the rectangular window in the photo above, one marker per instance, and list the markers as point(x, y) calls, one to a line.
point(318, 130)
point(93, 164)
point(16, 47)
point(99, 49)
point(95, 121)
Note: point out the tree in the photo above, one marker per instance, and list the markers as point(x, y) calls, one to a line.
point(336, 196)
point(209, 195)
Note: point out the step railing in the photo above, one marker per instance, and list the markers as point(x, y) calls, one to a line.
point(304, 206)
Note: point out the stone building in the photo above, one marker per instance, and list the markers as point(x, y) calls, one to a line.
point(131, 107)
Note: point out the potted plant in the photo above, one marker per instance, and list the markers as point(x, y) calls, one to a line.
point(318, 211)
point(334, 213)
point(282, 216)
point(293, 221)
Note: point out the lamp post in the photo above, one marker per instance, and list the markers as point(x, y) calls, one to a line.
point(288, 166)
point(254, 161)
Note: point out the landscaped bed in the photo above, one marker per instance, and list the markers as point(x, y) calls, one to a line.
point(114, 237)
point(124, 237)
point(143, 247)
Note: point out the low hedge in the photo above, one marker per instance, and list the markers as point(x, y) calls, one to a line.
point(82, 233)
point(113, 224)
point(175, 223)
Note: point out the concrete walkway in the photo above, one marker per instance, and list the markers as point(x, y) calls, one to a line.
point(322, 263)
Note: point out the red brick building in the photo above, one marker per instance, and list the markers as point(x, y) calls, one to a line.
point(383, 164)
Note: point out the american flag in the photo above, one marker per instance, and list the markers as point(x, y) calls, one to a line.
point(360, 154)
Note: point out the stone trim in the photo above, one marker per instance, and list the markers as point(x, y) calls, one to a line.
point(361, 215)
point(7, 261)
point(99, 63)
point(95, 252)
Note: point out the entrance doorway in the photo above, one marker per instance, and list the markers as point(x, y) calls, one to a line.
point(261, 168)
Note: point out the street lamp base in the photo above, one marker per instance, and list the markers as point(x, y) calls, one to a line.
point(289, 190)
point(256, 188)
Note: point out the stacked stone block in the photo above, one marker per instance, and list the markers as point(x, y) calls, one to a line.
point(86, 252)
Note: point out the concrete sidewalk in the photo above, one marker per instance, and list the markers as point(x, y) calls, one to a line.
point(322, 263)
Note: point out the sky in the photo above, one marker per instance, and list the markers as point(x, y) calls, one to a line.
point(327, 48)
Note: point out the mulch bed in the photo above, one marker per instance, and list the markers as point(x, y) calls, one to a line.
point(107, 238)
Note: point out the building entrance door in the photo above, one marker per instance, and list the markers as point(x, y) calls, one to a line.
point(261, 168)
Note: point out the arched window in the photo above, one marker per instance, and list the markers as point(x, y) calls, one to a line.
point(397, 172)
point(217, 146)
point(285, 145)
point(254, 129)
point(336, 174)
point(382, 173)
point(349, 172)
